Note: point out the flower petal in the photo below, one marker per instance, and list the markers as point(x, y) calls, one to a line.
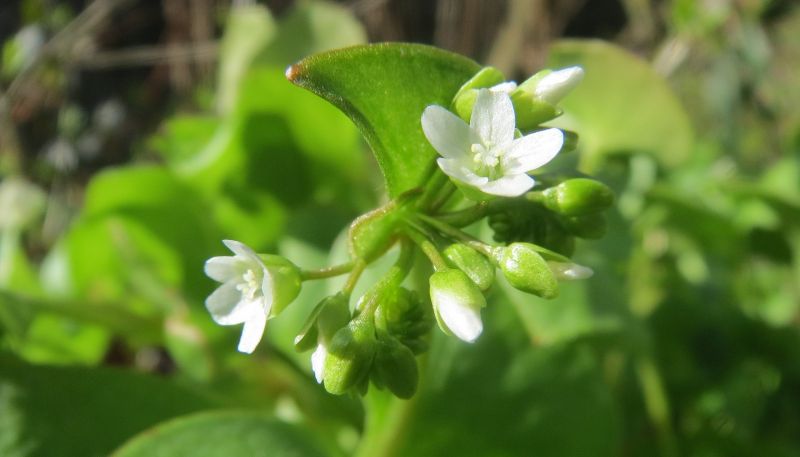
point(558, 84)
point(226, 305)
point(457, 170)
point(493, 117)
point(252, 332)
point(447, 133)
point(509, 185)
point(506, 87)
point(462, 320)
point(318, 362)
point(533, 151)
point(242, 250)
point(268, 290)
point(222, 269)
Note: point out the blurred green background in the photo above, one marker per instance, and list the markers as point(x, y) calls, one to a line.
point(135, 135)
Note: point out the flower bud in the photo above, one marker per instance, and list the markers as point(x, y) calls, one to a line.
point(349, 356)
point(589, 226)
point(395, 367)
point(535, 99)
point(330, 315)
point(552, 85)
point(464, 99)
point(479, 269)
point(577, 197)
point(526, 270)
point(403, 316)
point(286, 281)
point(457, 304)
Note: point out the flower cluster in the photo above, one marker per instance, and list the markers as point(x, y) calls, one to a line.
point(490, 141)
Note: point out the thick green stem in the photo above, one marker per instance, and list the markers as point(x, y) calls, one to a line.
point(432, 188)
point(465, 217)
point(457, 234)
point(358, 268)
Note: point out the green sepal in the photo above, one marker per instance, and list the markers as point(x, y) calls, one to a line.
point(350, 356)
point(479, 269)
point(395, 366)
point(531, 111)
point(464, 99)
point(590, 226)
point(526, 270)
point(330, 315)
point(286, 281)
point(578, 197)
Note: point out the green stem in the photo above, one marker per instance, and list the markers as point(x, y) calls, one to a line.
point(436, 182)
point(444, 196)
point(428, 248)
point(656, 404)
point(358, 268)
point(327, 272)
point(467, 216)
point(394, 276)
point(459, 235)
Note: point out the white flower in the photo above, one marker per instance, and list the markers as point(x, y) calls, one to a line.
point(246, 294)
point(457, 304)
point(485, 154)
point(566, 271)
point(557, 84)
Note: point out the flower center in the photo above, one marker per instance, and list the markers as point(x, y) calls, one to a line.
point(249, 285)
point(487, 160)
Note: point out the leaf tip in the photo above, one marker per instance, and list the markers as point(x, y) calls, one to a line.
point(292, 72)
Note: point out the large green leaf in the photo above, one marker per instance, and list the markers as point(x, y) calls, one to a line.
point(71, 411)
point(621, 106)
point(384, 88)
point(222, 434)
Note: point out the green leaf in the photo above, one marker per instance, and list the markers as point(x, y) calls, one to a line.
point(384, 88)
point(222, 434)
point(621, 106)
point(71, 411)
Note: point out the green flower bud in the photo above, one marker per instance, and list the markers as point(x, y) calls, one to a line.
point(535, 99)
point(286, 281)
point(479, 269)
point(529, 222)
point(526, 270)
point(457, 304)
point(530, 111)
point(589, 226)
point(403, 316)
point(330, 315)
point(577, 197)
point(349, 356)
point(373, 233)
point(395, 367)
point(464, 99)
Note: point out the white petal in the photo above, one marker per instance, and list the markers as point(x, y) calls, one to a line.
point(532, 151)
point(267, 288)
point(447, 133)
point(506, 87)
point(226, 305)
point(509, 185)
point(252, 332)
point(318, 362)
point(493, 117)
point(464, 321)
point(558, 84)
point(242, 250)
point(223, 269)
point(456, 169)
point(569, 271)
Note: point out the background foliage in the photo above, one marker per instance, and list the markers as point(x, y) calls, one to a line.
point(145, 138)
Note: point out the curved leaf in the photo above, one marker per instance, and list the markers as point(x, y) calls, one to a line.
point(621, 106)
point(384, 88)
point(221, 434)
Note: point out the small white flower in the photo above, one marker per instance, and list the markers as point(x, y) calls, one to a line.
point(246, 294)
point(566, 271)
point(554, 86)
point(485, 154)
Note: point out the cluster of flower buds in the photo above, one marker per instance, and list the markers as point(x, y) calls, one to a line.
point(490, 140)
